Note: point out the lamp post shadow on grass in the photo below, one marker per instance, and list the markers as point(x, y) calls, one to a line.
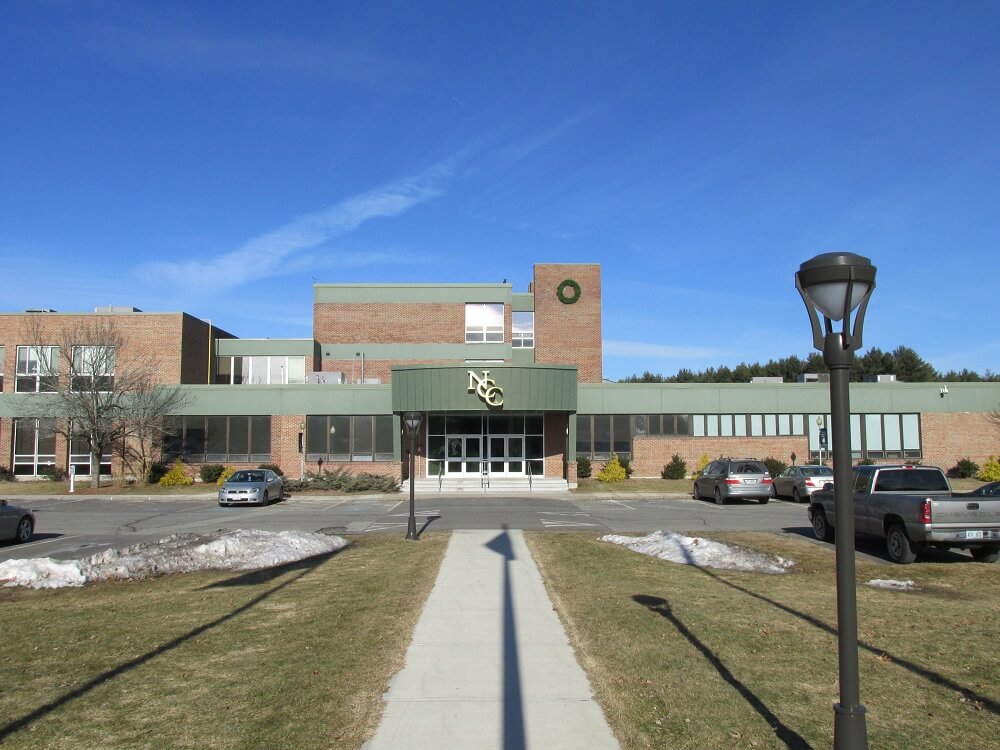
point(931, 676)
point(306, 566)
point(792, 739)
point(513, 710)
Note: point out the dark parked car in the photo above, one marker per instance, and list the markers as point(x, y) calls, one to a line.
point(987, 490)
point(256, 486)
point(799, 482)
point(15, 522)
point(734, 478)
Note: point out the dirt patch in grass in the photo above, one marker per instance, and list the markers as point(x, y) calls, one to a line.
point(291, 657)
point(684, 657)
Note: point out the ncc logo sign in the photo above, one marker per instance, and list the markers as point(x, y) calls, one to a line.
point(486, 388)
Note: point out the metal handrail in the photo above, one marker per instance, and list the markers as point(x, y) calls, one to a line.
point(528, 466)
point(484, 470)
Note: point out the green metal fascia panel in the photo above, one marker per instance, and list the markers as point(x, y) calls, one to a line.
point(786, 398)
point(444, 388)
point(261, 347)
point(417, 352)
point(521, 356)
point(287, 399)
point(522, 302)
point(404, 293)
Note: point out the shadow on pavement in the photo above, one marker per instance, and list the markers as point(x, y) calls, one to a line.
point(513, 711)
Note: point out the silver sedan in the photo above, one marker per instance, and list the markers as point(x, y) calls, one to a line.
point(15, 522)
point(254, 486)
point(799, 482)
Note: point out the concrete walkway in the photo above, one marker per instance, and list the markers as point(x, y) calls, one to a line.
point(490, 665)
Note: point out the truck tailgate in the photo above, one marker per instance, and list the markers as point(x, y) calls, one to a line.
point(977, 512)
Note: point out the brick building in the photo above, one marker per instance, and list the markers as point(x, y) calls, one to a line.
point(508, 385)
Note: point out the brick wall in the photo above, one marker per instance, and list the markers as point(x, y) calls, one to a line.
point(651, 453)
point(945, 438)
point(389, 322)
point(569, 334)
point(555, 445)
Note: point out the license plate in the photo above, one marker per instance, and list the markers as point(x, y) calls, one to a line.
point(749, 481)
point(973, 534)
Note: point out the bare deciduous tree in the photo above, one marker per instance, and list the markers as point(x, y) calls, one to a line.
point(101, 390)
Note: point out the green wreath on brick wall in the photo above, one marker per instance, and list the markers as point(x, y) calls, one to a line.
point(573, 287)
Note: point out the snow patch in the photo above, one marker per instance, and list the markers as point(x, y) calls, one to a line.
point(240, 549)
point(888, 583)
point(687, 550)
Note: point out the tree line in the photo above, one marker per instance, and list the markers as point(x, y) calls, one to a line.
point(903, 362)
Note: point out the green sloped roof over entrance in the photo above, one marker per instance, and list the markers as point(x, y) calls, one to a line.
point(447, 387)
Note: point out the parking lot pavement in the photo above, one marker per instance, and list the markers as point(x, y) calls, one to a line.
point(75, 526)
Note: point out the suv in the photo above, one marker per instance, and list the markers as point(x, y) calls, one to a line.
point(734, 477)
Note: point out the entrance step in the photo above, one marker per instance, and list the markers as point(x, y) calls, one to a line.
point(497, 484)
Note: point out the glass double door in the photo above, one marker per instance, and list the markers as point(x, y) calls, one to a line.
point(470, 454)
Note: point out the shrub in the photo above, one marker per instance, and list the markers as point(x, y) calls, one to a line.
point(866, 462)
point(774, 466)
point(6, 475)
point(156, 472)
point(964, 469)
point(273, 467)
point(342, 480)
point(990, 471)
point(676, 469)
point(210, 472)
point(52, 473)
point(225, 474)
point(177, 476)
point(612, 471)
point(583, 467)
point(704, 461)
point(626, 464)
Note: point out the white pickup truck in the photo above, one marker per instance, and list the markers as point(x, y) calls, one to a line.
point(912, 508)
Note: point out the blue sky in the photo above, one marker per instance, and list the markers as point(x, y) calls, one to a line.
point(218, 157)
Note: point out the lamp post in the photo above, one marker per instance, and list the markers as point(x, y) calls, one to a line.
point(412, 421)
point(836, 284)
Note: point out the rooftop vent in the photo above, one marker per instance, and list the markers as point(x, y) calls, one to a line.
point(814, 377)
point(39, 310)
point(767, 379)
point(116, 309)
point(880, 378)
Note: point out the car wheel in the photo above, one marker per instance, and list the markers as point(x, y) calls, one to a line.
point(899, 546)
point(25, 528)
point(763, 500)
point(265, 499)
point(821, 528)
point(719, 499)
point(697, 495)
point(796, 497)
point(774, 490)
point(989, 554)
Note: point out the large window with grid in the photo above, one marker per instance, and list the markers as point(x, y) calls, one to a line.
point(37, 369)
point(93, 368)
point(34, 446)
point(218, 439)
point(484, 323)
point(331, 437)
point(260, 370)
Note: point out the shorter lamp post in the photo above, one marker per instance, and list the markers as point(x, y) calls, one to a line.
point(412, 421)
point(836, 284)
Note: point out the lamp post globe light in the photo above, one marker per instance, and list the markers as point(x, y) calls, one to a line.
point(412, 421)
point(834, 285)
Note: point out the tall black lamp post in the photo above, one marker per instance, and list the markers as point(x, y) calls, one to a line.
point(837, 284)
point(412, 421)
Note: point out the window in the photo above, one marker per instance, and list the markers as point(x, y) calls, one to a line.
point(522, 330)
point(93, 368)
point(37, 368)
point(350, 438)
point(484, 323)
point(2, 358)
point(218, 439)
point(34, 446)
point(260, 370)
point(79, 457)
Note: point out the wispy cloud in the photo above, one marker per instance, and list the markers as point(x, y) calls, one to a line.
point(278, 252)
point(614, 348)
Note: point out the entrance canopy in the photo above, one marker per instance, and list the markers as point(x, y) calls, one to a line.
point(484, 386)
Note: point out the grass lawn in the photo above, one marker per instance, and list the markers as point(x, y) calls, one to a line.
point(292, 657)
point(683, 657)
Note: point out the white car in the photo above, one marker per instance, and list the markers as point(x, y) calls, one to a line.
point(799, 482)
